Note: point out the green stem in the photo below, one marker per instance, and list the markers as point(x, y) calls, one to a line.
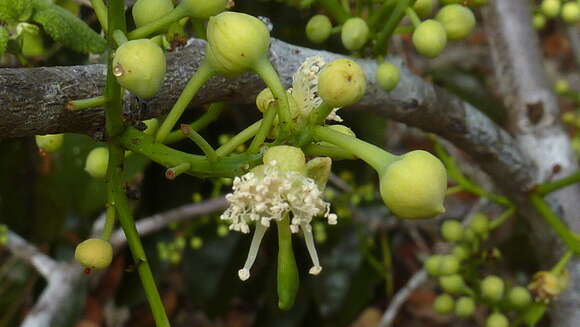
point(199, 28)
point(203, 73)
point(378, 158)
point(415, 20)
point(239, 139)
point(550, 187)
point(318, 150)
point(502, 218)
point(384, 36)
point(173, 172)
point(86, 103)
point(200, 142)
point(101, 12)
point(321, 113)
point(562, 263)
point(214, 111)
point(264, 130)
point(379, 14)
point(287, 276)
point(334, 9)
point(571, 239)
point(119, 37)
point(110, 217)
point(176, 14)
point(115, 191)
point(267, 73)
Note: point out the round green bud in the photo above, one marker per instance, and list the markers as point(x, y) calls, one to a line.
point(571, 12)
point(49, 142)
point(423, 8)
point(354, 33)
point(318, 28)
point(97, 162)
point(236, 42)
point(457, 20)
point(464, 307)
point(264, 99)
point(561, 87)
point(139, 66)
point(341, 83)
point(519, 297)
point(479, 224)
point(94, 253)
point(287, 158)
point(430, 38)
point(551, 8)
point(497, 320)
point(469, 235)
point(492, 288)
point(461, 252)
point(433, 265)
point(204, 9)
point(196, 242)
point(449, 265)
point(414, 186)
point(444, 304)
point(539, 21)
point(147, 11)
point(452, 231)
point(388, 76)
point(453, 284)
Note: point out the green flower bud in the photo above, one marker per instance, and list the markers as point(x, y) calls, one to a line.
point(354, 33)
point(539, 21)
point(388, 76)
point(551, 8)
point(519, 297)
point(49, 142)
point(449, 265)
point(318, 29)
point(444, 304)
point(430, 38)
point(433, 265)
point(152, 125)
point(94, 253)
point(414, 186)
point(457, 20)
point(562, 87)
point(424, 8)
point(571, 12)
point(147, 11)
point(479, 224)
point(236, 42)
point(492, 288)
point(464, 307)
point(204, 9)
point(497, 320)
point(341, 83)
point(461, 252)
point(288, 158)
point(139, 66)
point(453, 284)
point(452, 231)
point(97, 162)
point(196, 242)
point(264, 99)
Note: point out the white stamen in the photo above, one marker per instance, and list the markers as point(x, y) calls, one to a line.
point(254, 247)
point(244, 274)
point(315, 270)
point(311, 249)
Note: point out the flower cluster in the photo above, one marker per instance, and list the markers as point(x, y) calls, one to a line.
point(269, 194)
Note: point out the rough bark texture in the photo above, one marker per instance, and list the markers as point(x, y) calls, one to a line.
point(534, 121)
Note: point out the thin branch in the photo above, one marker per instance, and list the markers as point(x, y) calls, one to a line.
point(418, 279)
point(20, 248)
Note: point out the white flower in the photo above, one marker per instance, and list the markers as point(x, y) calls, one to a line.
point(304, 89)
point(267, 194)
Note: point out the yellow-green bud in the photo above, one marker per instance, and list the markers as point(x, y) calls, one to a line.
point(571, 12)
point(152, 125)
point(430, 38)
point(236, 42)
point(388, 76)
point(139, 66)
point(318, 28)
point(452, 231)
point(147, 11)
point(49, 142)
point(97, 162)
point(415, 185)
point(423, 8)
point(453, 284)
point(444, 304)
point(288, 158)
point(497, 320)
point(94, 253)
point(479, 224)
point(551, 8)
point(341, 83)
point(464, 307)
point(204, 9)
point(539, 21)
point(354, 33)
point(461, 252)
point(519, 297)
point(433, 265)
point(492, 288)
point(264, 99)
point(449, 265)
point(457, 20)
point(562, 86)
